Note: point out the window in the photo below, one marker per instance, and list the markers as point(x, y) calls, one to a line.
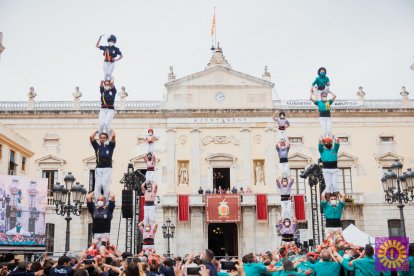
point(343, 139)
point(91, 180)
point(386, 139)
point(345, 180)
point(23, 163)
point(50, 237)
point(299, 187)
point(52, 177)
point(12, 164)
point(295, 140)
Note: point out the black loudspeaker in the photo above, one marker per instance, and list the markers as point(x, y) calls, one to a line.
point(127, 203)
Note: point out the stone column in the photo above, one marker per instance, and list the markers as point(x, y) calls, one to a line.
point(270, 157)
point(194, 177)
point(170, 160)
point(247, 162)
point(210, 178)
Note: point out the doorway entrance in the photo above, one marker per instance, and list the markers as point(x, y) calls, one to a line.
point(221, 178)
point(222, 239)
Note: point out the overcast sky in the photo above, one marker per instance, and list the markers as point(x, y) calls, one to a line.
point(50, 44)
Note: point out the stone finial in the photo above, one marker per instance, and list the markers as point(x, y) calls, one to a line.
point(171, 75)
point(2, 48)
point(123, 94)
point(266, 74)
point(404, 93)
point(360, 93)
point(412, 66)
point(77, 94)
point(31, 94)
point(218, 58)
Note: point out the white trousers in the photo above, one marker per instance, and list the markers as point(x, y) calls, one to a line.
point(282, 135)
point(331, 180)
point(102, 181)
point(286, 209)
point(149, 215)
point(151, 147)
point(108, 68)
point(284, 169)
point(326, 126)
point(105, 119)
point(149, 175)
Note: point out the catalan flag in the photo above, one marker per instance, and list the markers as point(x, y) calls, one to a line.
point(213, 25)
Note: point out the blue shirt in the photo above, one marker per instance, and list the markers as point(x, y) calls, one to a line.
point(110, 52)
point(103, 154)
point(108, 97)
point(327, 269)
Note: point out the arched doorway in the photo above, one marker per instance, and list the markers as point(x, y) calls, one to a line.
point(223, 239)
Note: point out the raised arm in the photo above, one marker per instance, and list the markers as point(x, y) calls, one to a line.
point(112, 136)
point(89, 197)
point(333, 96)
point(278, 181)
point(92, 137)
point(111, 196)
point(99, 40)
point(143, 187)
point(156, 188)
point(341, 197)
point(323, 196)
point(311, 95)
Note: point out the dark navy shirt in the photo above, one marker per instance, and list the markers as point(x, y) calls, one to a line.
point(101, 217)
point(103, 154)
point(61, 270)
point(108, 97)
point(110, 52)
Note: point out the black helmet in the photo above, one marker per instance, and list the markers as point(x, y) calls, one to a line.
point(112, 38)
point(320, 69)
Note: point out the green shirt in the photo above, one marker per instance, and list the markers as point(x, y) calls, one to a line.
point(303, 266)
point(329, 155)
point(346, 266)
point(289, 273)
point(254, 269)
point(327, 269)
point(320, 81)
point(366, 267)
point(411, 271)
point(332, 212)
point(323, 106)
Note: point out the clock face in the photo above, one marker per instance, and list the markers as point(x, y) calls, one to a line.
point(220, 97)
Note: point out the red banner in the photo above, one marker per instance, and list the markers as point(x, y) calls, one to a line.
point(183, 209)
point(261, 207)
point(300, 213)
point(223, 208)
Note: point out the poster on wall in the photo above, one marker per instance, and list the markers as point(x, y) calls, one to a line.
point(22, 210)
point(223, 208)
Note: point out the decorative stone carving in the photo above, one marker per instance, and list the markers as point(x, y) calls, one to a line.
point(171, 75)
point(220, 140)
point(257, 139)
point(259, 173)
point(182, 139)
point(51, 143)
point(361, 93)
point(77, 94)
point(123, 94)
point(32, 94)
point(183, 174)
point(218, 58)
point(266, 74)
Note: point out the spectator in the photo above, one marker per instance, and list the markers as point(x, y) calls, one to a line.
point(327, 267)
point(208, 258)
point(62, 268)
point(410, 260)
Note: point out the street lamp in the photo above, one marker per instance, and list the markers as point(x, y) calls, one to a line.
point(64, 205)
point(398, 187)
point(168, 233)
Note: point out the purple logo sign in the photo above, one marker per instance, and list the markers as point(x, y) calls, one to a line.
point(391, 254)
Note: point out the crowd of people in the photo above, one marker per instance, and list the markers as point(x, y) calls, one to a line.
point(334, 257)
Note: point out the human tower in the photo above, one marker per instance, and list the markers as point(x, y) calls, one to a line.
point(332, 201)
point(101, 202)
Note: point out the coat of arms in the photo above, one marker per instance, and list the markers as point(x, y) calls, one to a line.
point(223, 209)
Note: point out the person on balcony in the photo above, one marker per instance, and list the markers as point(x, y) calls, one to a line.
point(329, 157)
point(149, 189)
point(102, 214)
point(285, 187)
point(110, 54)
point(107, 110)
point(103, 153)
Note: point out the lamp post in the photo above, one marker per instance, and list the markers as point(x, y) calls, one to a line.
point(168, 233)
point(398, 187)
point(64, 204)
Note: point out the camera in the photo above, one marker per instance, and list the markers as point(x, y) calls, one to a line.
point(228, 265)
point(193, 270)
point(312, 169)
point(88, 261)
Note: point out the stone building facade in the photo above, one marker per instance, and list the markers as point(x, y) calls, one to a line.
point(219, 122)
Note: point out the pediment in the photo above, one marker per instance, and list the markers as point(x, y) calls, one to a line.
point(220, 157)
point(219, 76)
point(139, 162)
point(386, 159)
point(89, 160)
point(299, 160)
point(50, 160)
point(346, 160)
